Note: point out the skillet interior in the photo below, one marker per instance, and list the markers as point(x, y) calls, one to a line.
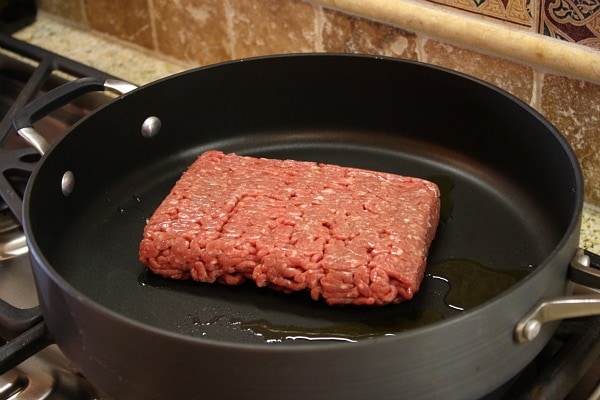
point(511, 204)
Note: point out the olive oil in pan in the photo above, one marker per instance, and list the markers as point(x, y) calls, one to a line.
point(472, 283)
point(348, 331)
point(446, 184)
point(150, 279)
point(467, 284)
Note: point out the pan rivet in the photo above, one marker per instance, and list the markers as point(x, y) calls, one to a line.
point(150, 127)
point(532, 329)
point(68, 183)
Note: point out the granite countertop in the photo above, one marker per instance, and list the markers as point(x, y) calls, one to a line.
point(140, 67)
point(123, 61)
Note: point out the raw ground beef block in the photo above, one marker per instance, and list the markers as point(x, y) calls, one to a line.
point(348, 236)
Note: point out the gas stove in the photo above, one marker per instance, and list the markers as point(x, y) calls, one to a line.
point(27, 71)
point(568, 368)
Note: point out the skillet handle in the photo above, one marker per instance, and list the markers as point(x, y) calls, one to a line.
point(585, 270)
point(56, 98)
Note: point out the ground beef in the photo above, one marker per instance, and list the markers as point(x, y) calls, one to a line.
point(348, 236)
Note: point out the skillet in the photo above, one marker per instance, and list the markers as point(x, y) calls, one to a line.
point(511, 187)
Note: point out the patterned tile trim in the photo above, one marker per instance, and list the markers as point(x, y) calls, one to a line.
point(576, 21)
point(511, 12)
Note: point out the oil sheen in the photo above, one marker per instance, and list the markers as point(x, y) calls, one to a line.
point(472, 283)
point(469, 284)
point(347, 331)
point(465, 285)
point(446, 184)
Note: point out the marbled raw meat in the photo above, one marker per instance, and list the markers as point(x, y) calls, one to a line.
point(346, 235)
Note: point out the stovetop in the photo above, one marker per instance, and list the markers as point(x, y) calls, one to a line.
point(25, 72)
point(567, 368)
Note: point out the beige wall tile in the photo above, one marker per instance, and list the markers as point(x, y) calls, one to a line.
point(72, 10)
point(515, 78)
point(272, 27)
point(126, 20)
point(347, 34)
point(574, 108)
point(195, 31)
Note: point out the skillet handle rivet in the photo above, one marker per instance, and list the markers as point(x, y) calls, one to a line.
point(532, 329)
point(150, 127)
point(67, 183)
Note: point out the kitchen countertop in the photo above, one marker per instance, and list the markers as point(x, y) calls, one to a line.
point(134, 65)
point(140, 67)
point(590, 229)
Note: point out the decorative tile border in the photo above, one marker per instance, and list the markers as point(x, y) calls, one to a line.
point(516, 13)
point(576, 21)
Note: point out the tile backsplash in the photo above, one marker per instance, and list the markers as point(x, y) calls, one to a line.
point(576, 21)
point(572, 20)
point(517, 13)
point(201, 32)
